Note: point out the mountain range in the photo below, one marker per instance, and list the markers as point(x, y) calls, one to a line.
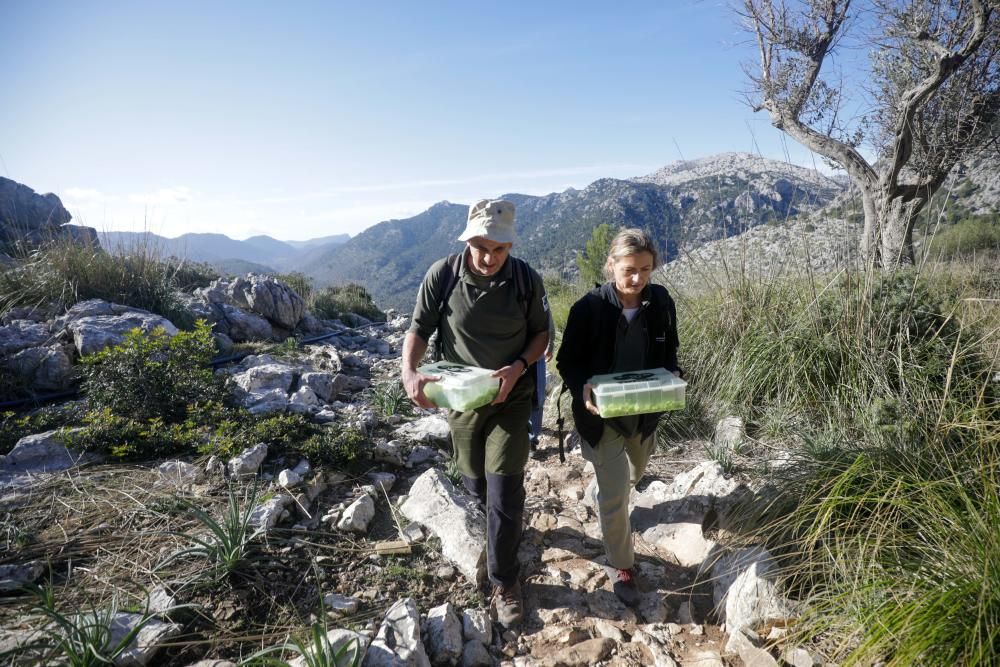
point(258, 253)
point(683, 205)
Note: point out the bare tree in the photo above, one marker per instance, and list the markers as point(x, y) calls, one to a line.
point(922, 92)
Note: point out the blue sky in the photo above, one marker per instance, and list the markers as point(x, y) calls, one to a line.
point(300, 120)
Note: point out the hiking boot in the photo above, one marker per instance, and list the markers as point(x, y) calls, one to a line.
point(624, 585)
point(533, 442)
point(508, 604)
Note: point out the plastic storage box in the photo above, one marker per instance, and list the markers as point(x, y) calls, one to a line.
point(637, 392)
point(460, 387)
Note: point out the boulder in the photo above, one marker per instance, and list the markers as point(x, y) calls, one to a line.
point(270, 298)
point(745, 591)
point(247, 462)
point(14, 576)
point(22, 334)
point(475, 654)
point(476, 626)
point(93, 334)
point(265, 377)
point(444, 635)
point(40, 453)
point(145, 645)
point(398, 640)
point(179, 473)
point(672, 516)
point(241, 326)
point(41, 368)
point(261, 295)
point(28, 220)
point(453, 517)
point(433, 428)
point(358, 515)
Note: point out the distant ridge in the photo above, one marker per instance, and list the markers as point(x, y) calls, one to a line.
point(682, 205)
point(223, 252)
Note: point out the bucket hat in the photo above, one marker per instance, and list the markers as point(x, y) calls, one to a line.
point(492, 219)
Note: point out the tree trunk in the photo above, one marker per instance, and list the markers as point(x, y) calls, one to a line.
point(897, 216)
point(887, 239)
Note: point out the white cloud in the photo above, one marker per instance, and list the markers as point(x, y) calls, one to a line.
point(84, 195)
point(164, 196)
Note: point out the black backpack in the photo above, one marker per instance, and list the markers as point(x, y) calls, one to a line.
point(523, 285)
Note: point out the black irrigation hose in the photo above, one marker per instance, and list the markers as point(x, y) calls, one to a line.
point(218, 361)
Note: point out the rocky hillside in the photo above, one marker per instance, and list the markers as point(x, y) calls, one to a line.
point(386, 553)
point(825, 239)
point(682, 205)
point(28, 219)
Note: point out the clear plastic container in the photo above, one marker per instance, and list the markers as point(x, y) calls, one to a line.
point(460, 387)
point(637, 392)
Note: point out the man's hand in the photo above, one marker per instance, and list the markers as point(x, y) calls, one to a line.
point(587, 399)
point(508, 378)
point(414, 383)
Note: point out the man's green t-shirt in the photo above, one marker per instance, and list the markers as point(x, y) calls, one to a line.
point(484, 322)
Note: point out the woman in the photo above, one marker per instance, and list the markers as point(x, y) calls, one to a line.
point(627, 324)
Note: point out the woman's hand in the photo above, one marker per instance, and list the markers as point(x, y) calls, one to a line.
point(587, 402)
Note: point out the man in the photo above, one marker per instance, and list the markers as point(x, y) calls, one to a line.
point(495, 316)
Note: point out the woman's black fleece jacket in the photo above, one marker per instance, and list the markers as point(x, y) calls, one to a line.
point(588, 348)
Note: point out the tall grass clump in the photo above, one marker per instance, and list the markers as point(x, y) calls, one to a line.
point(883, 387)
point(63, 273)
point(339, 300)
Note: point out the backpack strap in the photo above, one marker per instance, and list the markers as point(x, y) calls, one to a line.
point(449, 279)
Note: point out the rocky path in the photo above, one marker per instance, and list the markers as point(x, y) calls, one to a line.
point(572, 615)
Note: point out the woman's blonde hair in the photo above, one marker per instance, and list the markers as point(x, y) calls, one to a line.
point(630, 242)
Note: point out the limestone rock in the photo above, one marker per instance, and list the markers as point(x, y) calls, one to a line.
point(247, 463)
point(144, 646)
point(22, 334)
point(476, 626)
point(41, 368)
point(42, 452)
point(426, 429)
point(271, 512)
point(444, 635)
point(93, 334)
point(15, 576)
point(474, 654)
point(398, 640)
point(179, 473)
point(745, 592)
point(453, 517)
point(730, 433)
point(358, 515)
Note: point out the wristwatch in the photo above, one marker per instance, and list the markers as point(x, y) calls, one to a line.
point(523, 361)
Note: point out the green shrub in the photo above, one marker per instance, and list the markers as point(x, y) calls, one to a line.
point(14, 426)
point(593, 258)
point(153, 375)
point(298, 281)
point(208, 428)
point(338, 300)
point(337, 447)
point(968, 236)
point(65, 273)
